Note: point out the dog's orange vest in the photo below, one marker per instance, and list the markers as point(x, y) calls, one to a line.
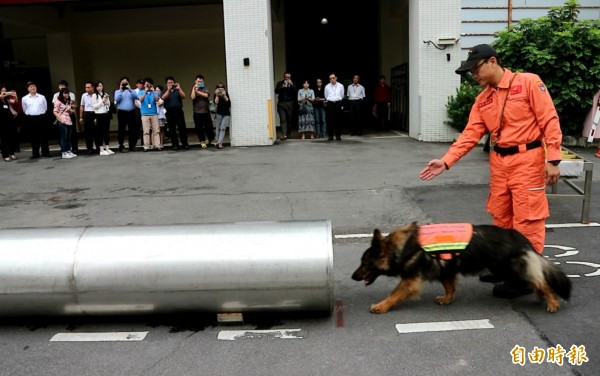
point(445, 240)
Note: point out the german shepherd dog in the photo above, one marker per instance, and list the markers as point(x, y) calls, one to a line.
point(507, 254)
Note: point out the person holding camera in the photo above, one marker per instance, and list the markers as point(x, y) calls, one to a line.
point(202, 120)
point(148, 109)
point(101, 104)
point(125, 101)
point(62, 112)
point(8, 126)
point(223, 103)
point(173, 98)
point(74, 134)
point(306, 116)
point(285, 105)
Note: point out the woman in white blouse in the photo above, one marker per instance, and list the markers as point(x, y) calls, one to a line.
point(101, 104)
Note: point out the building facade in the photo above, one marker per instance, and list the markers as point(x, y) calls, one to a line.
point(249, 44)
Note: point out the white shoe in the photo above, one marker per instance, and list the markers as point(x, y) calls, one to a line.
point(104, 152)
point(66, 156)
point(110, 152)
point(71, 154)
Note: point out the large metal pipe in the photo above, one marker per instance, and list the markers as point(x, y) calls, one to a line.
point(231, 267)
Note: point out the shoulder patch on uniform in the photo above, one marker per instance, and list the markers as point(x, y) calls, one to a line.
point(541, 86)
point(485, 103)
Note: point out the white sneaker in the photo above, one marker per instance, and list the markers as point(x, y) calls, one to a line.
point(110, 152)
point(104, 152)
point(71, 154)
point(66, 156)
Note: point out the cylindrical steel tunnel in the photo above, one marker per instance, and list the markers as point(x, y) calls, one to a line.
point(229, 267)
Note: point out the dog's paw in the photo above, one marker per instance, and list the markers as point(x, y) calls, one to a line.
point(551, 308)
point(379, 308)
point(443, 300)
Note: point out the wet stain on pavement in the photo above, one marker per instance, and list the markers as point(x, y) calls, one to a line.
point(68, 206)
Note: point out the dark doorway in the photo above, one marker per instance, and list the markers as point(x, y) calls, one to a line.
point(348, 44)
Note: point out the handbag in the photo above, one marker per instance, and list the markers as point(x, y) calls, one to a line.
point(57, 122)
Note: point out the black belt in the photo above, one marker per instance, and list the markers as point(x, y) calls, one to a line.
point(515, 149)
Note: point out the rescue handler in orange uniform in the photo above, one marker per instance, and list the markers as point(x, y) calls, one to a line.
point(525, 136)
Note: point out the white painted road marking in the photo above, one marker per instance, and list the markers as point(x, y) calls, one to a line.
point(99, 337)
point(572, 225)
point(232, 335)
point(590, 264)
point(443, 326)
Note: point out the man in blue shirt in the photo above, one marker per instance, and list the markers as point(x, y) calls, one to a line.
point(125, 102)
point(148, 110)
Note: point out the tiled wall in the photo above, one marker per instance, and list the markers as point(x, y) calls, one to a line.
point(432, 79)
point(248, 35)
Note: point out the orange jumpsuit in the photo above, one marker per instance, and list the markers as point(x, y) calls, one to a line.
point(517, 196)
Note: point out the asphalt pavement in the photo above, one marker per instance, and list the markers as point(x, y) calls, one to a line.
point(360, 183)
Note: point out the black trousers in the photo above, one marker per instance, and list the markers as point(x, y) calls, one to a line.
point(127, 124)
point(356, 116)
point(176, 121)
point(204, 127)
point(140, 130)
point(90, 129)
point(103, 124)
point(38, 127)
point(334, 119)
point(74, 134)
point(382, 115)
point(8, 135)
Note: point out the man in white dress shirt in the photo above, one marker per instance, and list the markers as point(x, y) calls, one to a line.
point(87, 117)
point(356, 94)
point(35, 107)
point(334, 94)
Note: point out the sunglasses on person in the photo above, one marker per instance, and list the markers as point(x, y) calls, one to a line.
point(475, 69)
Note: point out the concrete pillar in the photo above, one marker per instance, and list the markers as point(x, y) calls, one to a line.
point(432, 79)
point(248, 35)
point(60, 59)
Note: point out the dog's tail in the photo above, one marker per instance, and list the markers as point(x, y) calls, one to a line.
point(541, 272)
point(557, 280)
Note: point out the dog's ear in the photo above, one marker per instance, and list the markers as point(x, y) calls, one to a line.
point(377, 234)
point(414, 227)
point(377, 237)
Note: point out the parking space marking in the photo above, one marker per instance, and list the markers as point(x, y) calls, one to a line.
point(572, 225)
point(443, 326)
point(590, 264)
point(232, 335)
point(99, 337)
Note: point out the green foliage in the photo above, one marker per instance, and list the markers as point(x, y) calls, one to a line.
point(564, 53)
point(459, 106)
